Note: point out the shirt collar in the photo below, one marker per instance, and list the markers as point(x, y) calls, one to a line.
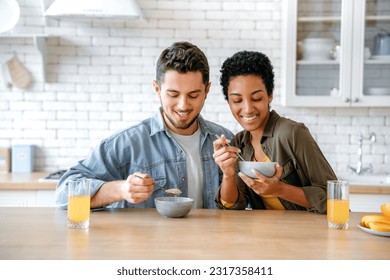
point(270, 126)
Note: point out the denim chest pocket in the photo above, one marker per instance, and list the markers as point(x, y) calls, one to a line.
point(156, 172)
point(290, 174)
point(160, 185)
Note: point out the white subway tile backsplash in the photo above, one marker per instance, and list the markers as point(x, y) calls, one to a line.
point(368, 120)
point(106, 97)
point(22, 106)
point(38, 134)
point(239, 6)
point(190, 35)
point(167, 5)
point(221, 15)
point(8, 133)
point(72, 133)
point(100, 72)
point(104, 116)
point(31, 124)
point(57, 106)
point(104, 79)
point(72, 115)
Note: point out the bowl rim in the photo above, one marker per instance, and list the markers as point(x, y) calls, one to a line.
point(257, 165)
point(173, 199)
point(257, 162)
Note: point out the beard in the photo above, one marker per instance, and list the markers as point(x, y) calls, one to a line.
point(181, 124)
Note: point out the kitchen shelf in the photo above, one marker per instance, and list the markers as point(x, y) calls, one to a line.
point(320, 19)
point(318, 62)
point(378, 18)
point(40, 44)
point(352, 24)
point(377, 61)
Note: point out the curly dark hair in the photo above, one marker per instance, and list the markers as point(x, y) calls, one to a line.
point(247, 63)
point(182, 57)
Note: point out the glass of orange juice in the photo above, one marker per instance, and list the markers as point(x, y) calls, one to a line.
point(338, 204)
point(79, 203)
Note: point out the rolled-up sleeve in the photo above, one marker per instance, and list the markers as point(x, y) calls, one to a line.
point(313, 167)
point(239, 205)
point(94, 167)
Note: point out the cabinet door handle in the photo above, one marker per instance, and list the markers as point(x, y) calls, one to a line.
point(347, 100)
point(356, 100)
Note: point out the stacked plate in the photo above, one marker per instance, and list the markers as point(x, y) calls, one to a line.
point(378, 91)
point(380, 57)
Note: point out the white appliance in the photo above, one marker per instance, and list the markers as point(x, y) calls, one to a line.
point(9, 14)
point(127, 9)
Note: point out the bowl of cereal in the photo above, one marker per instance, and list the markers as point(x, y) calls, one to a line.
point(265, 168)
point(173, 207)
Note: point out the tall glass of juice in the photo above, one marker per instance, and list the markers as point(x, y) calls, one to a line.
point(338, 204)
point(79, 203)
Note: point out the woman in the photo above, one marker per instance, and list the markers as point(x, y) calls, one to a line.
point(302, 171)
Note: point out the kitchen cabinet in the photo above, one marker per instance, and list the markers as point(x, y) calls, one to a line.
point(347, 74)
point(39, 41)
point(368, 197)
point(26, 190)
point(367, 202)
point(27, 198)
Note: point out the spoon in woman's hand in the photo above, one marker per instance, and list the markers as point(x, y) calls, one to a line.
point(227, 144)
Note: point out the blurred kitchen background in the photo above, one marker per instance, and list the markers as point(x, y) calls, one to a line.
point(81, 79)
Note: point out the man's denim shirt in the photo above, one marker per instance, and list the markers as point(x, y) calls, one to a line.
point(147, 148)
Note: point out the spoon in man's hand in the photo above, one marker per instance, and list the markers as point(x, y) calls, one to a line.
point(168, 191)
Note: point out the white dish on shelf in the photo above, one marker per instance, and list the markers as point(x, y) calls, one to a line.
point(9, 14)
point(378, 91)
point(380, 57)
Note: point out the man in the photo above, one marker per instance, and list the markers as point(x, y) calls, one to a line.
point(172, 149)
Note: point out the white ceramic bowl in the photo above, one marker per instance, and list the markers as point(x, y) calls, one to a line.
point(173, 207)
point(265, 168)
point(316, 48)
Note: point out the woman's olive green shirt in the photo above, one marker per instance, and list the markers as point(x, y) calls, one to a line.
point(290, 144)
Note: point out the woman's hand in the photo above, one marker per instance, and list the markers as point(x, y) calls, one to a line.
point(225, 156)
point(263, 185)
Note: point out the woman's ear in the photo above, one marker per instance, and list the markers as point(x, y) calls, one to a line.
point(270, 98)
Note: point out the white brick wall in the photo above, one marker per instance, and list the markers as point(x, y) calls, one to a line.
point(100, 72)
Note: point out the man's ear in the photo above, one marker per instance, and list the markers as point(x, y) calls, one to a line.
point(156, 87)
point(208, 86)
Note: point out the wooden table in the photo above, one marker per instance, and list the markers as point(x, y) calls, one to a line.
point(42, 233)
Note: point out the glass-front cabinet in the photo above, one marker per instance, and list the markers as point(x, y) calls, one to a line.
point(336, 53)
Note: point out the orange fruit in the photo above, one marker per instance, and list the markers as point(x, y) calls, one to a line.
point(380, 226)
point(366, 219)
point(385, 208)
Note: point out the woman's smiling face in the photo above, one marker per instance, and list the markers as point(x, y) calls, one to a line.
point(249, 101)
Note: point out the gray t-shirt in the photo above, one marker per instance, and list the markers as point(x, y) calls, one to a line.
point(191, 147)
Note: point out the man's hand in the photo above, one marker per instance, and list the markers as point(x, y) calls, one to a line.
point(137, 187)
